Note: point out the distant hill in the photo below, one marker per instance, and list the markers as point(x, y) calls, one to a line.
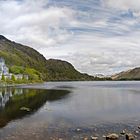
point(55, 70)
point(133, 74)
point(62, 70)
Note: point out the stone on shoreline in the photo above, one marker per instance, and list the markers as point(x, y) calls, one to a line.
point(112, 136)
point(123, 132)
point(78, 129)
point(94, 138)
point(129, 136)
point(25, 109)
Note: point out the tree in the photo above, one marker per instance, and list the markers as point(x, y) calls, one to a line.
point(17, 69)
point(33, 74)
point(3, 77)
point(13, 78)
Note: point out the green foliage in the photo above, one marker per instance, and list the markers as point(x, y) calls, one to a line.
point(9, 81)
point(3, 78)
point(33, 74)
point(13, 78)
point(17, 69)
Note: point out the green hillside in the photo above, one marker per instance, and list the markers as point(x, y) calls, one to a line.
point(62, 70)
point(20, 55)
point(55, 70)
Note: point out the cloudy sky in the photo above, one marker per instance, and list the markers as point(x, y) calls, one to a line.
point(96, 36)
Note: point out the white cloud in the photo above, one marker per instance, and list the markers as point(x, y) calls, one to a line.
point(32, 24)
point(93, 55)
point(123, 4)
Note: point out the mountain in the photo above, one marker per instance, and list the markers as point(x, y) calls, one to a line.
point(133, 74)
point(16, 54)
point(62, 70)
point(21, 55)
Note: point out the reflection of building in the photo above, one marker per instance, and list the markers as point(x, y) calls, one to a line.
point(18, 91)
point(7, 93)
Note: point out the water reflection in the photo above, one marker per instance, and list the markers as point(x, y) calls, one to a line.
point(6, 93)
point(13, 99)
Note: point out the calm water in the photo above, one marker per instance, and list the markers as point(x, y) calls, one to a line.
point(58, 108)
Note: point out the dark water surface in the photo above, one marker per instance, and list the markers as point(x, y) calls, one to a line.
point(68, 110)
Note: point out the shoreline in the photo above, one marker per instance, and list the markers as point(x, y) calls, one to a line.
point(2, 85)
point(94, 132)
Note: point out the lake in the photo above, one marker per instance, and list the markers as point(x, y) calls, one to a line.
point(69, 110)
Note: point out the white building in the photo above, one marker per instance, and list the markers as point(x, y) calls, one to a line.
point(21, 76)
point(4, 70)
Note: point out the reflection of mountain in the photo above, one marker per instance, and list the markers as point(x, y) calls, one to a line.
point(11, 101)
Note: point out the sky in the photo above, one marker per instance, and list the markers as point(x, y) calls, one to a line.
point(96, 36)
